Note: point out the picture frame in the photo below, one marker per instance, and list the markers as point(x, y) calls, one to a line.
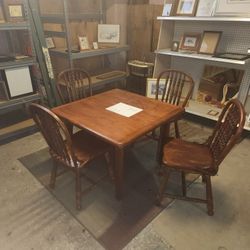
point(186, 7)
point(2, 19)
point(151, 87)
point(190, 41)
point(232, 8)
point(83, 43)
point(108, 33)
point(50, 43)
point(14, 10)
point(209, 42)
point(206, 8)
point(167, 9)
point(95, 45)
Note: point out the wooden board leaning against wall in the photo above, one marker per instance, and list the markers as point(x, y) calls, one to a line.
point(143, 28)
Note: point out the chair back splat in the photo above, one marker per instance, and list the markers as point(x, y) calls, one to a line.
point(227, 131)
point(74, 84)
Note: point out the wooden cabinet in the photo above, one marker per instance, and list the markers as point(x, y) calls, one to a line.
point(235, 39)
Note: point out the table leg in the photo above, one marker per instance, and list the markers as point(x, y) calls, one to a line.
point(119, 167)
point(164, 133)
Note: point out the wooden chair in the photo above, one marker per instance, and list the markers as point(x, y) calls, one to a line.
point(73, 152)
point(73, 84)
point(174, 87)
point(203, 159)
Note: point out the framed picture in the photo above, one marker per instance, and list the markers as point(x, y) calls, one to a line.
point(83, 43)
point(206, 8)
point(2, 19)
point(108, 33)
point(190, 41)
point(14, 10)
point(151, 88)
point(167, 9)
point(209, 42)
point(232, 8)
point(50, 42)
point(186, 7)
point(95, 45)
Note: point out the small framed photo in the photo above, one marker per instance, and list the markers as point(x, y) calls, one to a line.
point(186, 7)
point(83, 43)
point(190, 41)
point(108, 33)
point(151, 87)
point(209, 42)
point(95, 45)
point(50, 43)
point(167, 9)
point(14, 10)
point(175, 46)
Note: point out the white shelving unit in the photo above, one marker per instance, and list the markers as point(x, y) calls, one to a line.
point(235, 39)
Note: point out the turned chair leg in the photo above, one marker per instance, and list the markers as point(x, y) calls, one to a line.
point(78, 188)
point(184, 187)
point(53, 174)
point(177, 132)
point(209, 196)
point(162, 187)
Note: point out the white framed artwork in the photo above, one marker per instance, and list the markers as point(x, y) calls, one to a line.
point(108, 33)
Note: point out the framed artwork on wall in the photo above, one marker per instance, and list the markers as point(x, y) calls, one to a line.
point(108, 33)
point(206, 8)
point(232, 8)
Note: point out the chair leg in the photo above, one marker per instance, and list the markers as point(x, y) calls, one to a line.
point(53, 175)
point(162, 187)
point(209, 196)
point(78, 188)
point(177, 132)
point(184, 187)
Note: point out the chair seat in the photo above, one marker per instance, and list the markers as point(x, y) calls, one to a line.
point(86, 146)
point(188, 156)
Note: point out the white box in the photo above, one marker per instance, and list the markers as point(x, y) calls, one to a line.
point(19, 81)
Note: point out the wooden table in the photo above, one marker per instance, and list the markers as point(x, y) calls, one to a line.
point(91, 114)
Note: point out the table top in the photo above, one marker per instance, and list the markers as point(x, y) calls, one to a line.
point(91, 114)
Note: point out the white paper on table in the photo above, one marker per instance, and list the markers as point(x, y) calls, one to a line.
point(124, 109)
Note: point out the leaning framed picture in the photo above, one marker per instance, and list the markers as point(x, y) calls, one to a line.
point(50, 43)
point(151, 87)
point(14, 10)
point(83, 42)
point(190, 41)
point(108, 33)
point(186, 7)
point(209, 42)
point(232, 8)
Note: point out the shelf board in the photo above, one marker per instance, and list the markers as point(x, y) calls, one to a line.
point(210, 19)
point(59, 18)
point(201, 57)
point(118, 75)
point(12, 104)
point(14, 26)
point(202, 109)
point(90, 53)
point(17, 63)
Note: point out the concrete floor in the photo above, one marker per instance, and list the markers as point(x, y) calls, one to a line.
point(31, 218)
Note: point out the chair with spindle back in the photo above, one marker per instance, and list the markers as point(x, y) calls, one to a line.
point(174, 87)
point(203, 159)
point(74, 84)
point(74, 152)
